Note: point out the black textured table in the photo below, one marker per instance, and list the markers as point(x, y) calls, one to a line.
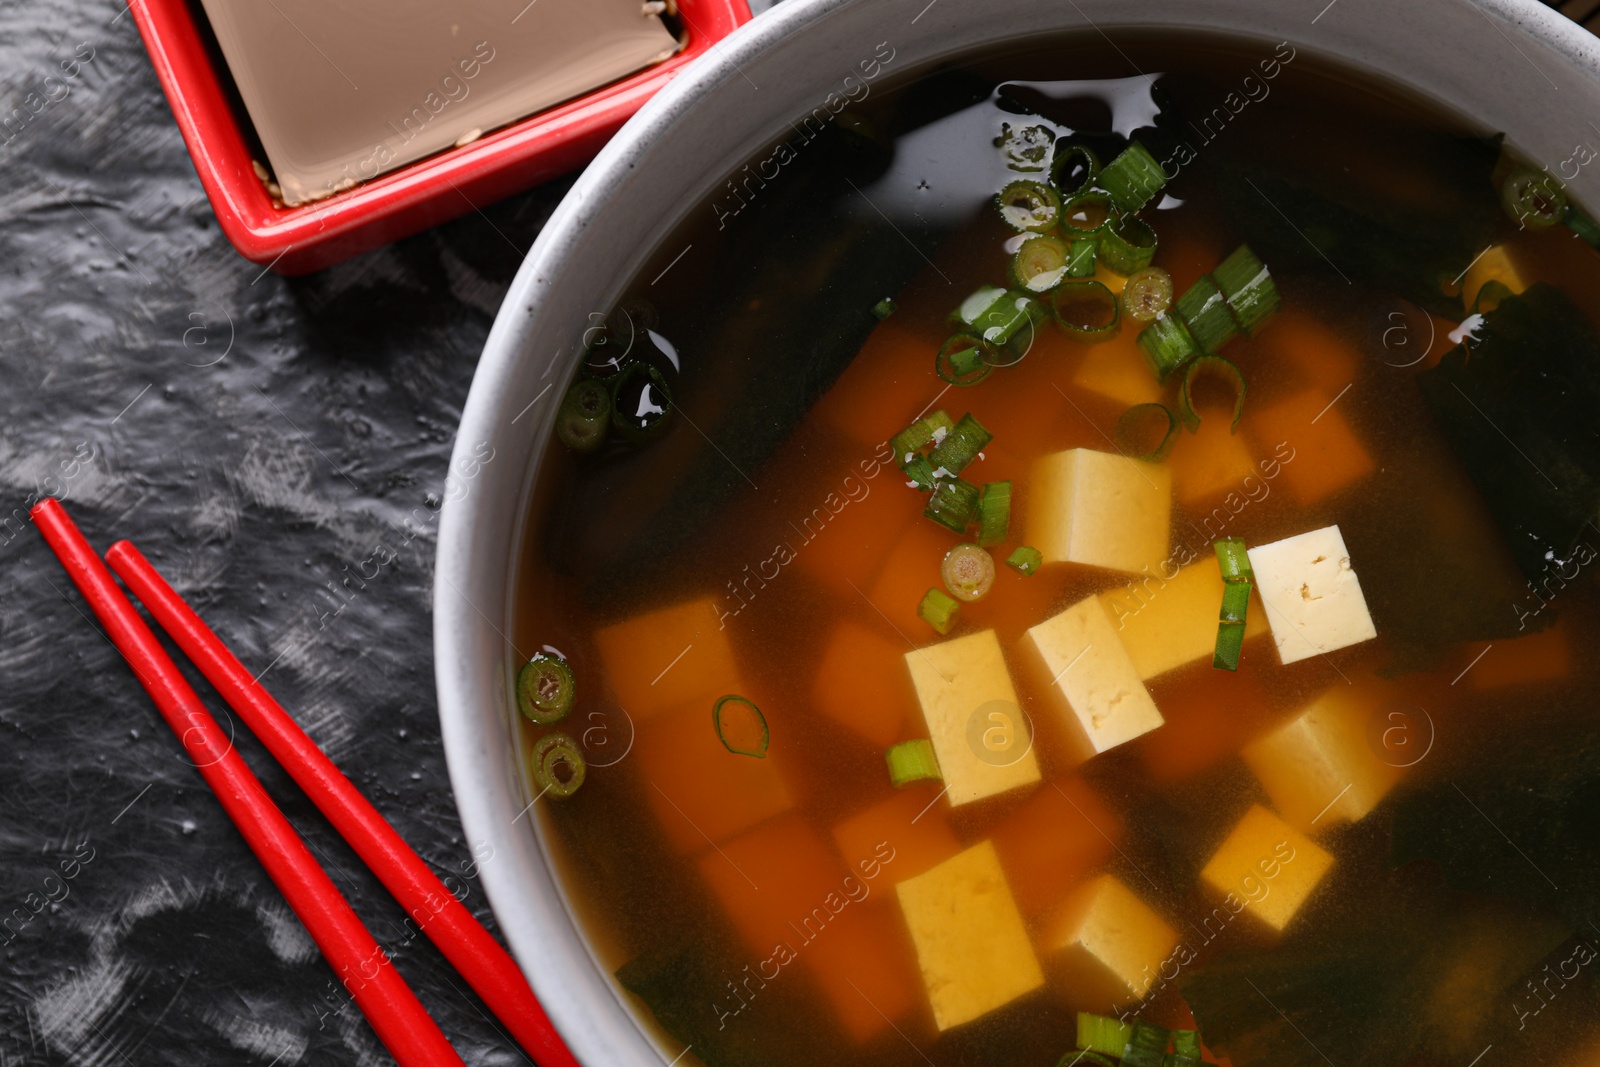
point(278, 448)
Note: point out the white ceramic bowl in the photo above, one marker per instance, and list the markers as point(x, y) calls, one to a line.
point(1510, 64)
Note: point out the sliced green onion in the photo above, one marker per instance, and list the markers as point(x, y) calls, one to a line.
point(1133, 177)
point(953, 504)
point(741, 727)
point(1167, 345)
point(1186, 1043)
point(1003, 320)
point(1081, 1056)
point(1074, 168)
point(1533, 198)
point(1214, 367)
point(920, 472)
point(1029, 207)
point(981, 300)
point(968, 572)
point(1230, 643)
point(961, 445)
point(1147, 1045)
point(1086, 309)
point(884, 308)
point(558, 766)
point(1101, 1033)
point(939, 423)
point(1026, 561)
point(912, 761)
point(546, 689)
point(1234, 559)
point(1087, 213)
point(994, 514)
point(1235, 602)
point(641, 403)
point(917, 436)
point(1081, 257)
point(1206, 312)
point(1143, 424)
point(938, 610)
point(1127, 245)
point(1249, 287)
point(1040, 263)
point(585, 416)
point(1147, 294)
point(1577, 220)
point(964, 360)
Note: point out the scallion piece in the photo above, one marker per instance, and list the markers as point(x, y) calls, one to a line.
point(741, 727)
point(1008, 319)
point(1133, 177)
point(1235, 602)
point(1233, 559)
point(961, 445)
point(1206, 312)
point(1143, 424)
point(994, 514)
point(558, 766)
point(1533, 198)
point(1166, 345)
point(585, 416)
point(641, 403)
point(1026, 561)
point(1214, 367)
point(1074, 168)
point(912, 761)
point(1029, 207)
point(918, 435)
point(1147, 1045)
point(1101, 1033)
point(938, 610)
point(968, 572)
point(884, 308)
point(1087, 214)
point(1086, 310)
point(1577, 220)
point(964, 360)
point(953, 504)
point(1230, 642)
point(546, 689)
point(1147, 294)
point(1249, 288)
point(1127, 245)
point(1185, 1049)
point(1040, 263)
point(981, 300)
point(920, 472)
point(1081, 257)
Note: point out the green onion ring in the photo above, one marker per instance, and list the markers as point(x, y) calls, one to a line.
point(1087, 214)
point(1029, 207)
point(1214, 366)
point(1066, 161)
point(546, 689)
point(1086, 310)
point(1533, 198)
point(1132, 434)
point(551, 753)
point(725, 716)
point(964, 360)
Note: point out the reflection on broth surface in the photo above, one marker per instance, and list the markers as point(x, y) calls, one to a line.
point(851, 798)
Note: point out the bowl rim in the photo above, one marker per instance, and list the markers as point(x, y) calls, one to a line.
point(473, 714)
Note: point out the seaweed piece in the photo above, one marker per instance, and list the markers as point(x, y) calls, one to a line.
point(1520, 412)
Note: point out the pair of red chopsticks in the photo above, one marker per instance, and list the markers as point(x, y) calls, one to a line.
point(398, 1018)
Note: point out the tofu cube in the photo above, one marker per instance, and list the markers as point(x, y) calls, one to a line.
point(906, 827)
point(1166, 624)
point(973, 718)
point(1313, 599)
point(859, 684)
point(661, 661)
point(1266, 868)
point(1099, 509)
point(1214, 462)
point(971, 945)
point(1106, 946)
point(1116, 370)
point(1313, 446)
point(1052, 840)
point(1321, 767)
point(1089, 678)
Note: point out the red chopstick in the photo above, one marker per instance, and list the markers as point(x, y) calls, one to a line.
point(398, 1018)
point(486, 966)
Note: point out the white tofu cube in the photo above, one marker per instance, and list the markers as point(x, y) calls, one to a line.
point(1090, 679)
point(1166, 624)
point(971, 945)
point(976, 725)
point(1099, 509)
point(1313, 600)
point(1106, 945)
point(1321, 768)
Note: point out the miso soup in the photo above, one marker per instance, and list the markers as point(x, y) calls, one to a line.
point(1084, 556)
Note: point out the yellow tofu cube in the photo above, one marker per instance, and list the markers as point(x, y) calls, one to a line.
point(973, 718)
point(1321, 767)
point(1495, 265)
point(1090, 679)
point(668, 658)
point(1266, 868)
point(1106, 946)
point(1100, 509)
point(1166, 624)
point(971, 944)
point(1116, 370)
point(1212, 461)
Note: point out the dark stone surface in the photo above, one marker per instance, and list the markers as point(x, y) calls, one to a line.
point(256, 436)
